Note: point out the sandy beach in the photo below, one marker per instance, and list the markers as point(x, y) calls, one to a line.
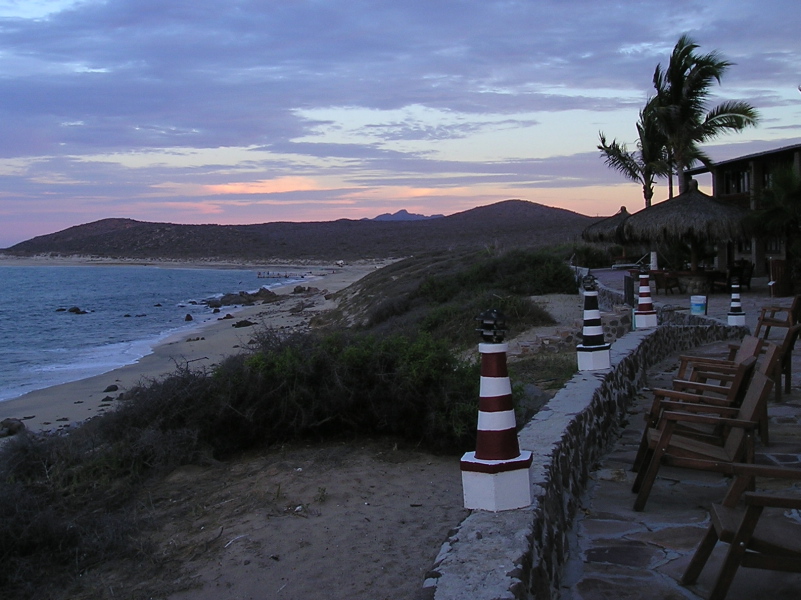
point(341, 520)
point(337, 520)
point(61, 406)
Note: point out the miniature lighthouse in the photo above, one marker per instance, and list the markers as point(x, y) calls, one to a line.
point(736, 315)
point(592, 352)
point(645, 315)
point(496, 476)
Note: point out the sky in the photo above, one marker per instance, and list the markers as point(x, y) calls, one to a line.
point(253, 111)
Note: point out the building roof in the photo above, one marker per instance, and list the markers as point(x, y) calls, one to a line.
point(747, 157)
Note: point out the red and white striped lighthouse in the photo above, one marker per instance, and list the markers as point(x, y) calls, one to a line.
point(736, 315)
point(496, 476)
point(645, 315)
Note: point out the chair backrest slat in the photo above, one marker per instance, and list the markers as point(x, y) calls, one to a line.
point(750, 410)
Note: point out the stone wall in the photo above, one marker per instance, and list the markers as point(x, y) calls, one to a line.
point(615, 323)
point(519, 554)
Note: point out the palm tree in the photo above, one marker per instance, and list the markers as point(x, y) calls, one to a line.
point(682, 91)
point(646, 163)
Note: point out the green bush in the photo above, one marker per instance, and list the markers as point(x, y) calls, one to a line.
point(593, 257)
point(519, 272)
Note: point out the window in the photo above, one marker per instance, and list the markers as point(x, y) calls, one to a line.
point(736, 181)
point(773, 245)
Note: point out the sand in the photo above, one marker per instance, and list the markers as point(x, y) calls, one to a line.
point(63, 405)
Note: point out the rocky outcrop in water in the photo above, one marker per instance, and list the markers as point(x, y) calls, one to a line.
point(242, 298)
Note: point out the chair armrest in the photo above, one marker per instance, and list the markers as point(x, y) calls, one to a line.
point(680, 384)
point(775, 309)
point(688, 397)
point(701, 362)
point(724, 376)
point(684, 417)
point(747, 469)
point(704, 360)
point(691, 407)
point(772, 500)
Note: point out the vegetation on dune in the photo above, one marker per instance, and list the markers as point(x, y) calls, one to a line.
point(441, 294)
point(68, 502)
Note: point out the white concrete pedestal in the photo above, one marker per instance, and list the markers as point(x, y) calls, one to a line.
point(593, 358)
point(496, 485)
point(737, 319)
point(645, 320)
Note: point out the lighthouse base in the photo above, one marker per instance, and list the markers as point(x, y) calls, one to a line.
point(496, 485)
point(593, 358)
point(645, 320)
point(736, 319)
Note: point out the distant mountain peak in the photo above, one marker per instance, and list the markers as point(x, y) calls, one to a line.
point(403, 215)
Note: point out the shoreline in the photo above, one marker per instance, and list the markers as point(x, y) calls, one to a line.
point(62, 406)
point(272, 264)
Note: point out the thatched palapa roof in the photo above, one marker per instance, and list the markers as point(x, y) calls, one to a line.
point(691, 216)
point(607, 230)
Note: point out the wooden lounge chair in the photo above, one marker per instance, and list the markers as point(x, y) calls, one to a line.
point(767, 363)
point(741, 270)
point(778, 316)
point(756, 539)
point(786, 361)
point(662, 443)
point(784, 364)
point(749, 346)
point(728, 393)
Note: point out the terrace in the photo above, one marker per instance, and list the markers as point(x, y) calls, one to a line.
point(615, 550)
point(581, 539)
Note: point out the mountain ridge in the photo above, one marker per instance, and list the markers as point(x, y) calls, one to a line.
point(403, 215)
point(509, 223)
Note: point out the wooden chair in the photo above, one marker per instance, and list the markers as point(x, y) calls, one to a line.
point(662, 443)
point(778, 316)
point(784, 364)
point(749, 346)
point(664, 280)
point(780, 283)
point(742, 270)
point(772, 543)
point(766, 363)
point(702, 393)
point(786, 361)
point(721, 281)
point(746, 274)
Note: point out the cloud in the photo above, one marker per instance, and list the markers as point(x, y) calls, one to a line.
point(122, 100)
point(264, 186)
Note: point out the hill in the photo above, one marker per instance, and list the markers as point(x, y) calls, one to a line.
point(507, 224)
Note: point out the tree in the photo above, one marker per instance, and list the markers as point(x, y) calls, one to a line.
point(682, 92)
point(779, 214)
point(649, 160)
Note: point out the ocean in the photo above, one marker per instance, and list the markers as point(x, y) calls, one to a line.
point(128, 310)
